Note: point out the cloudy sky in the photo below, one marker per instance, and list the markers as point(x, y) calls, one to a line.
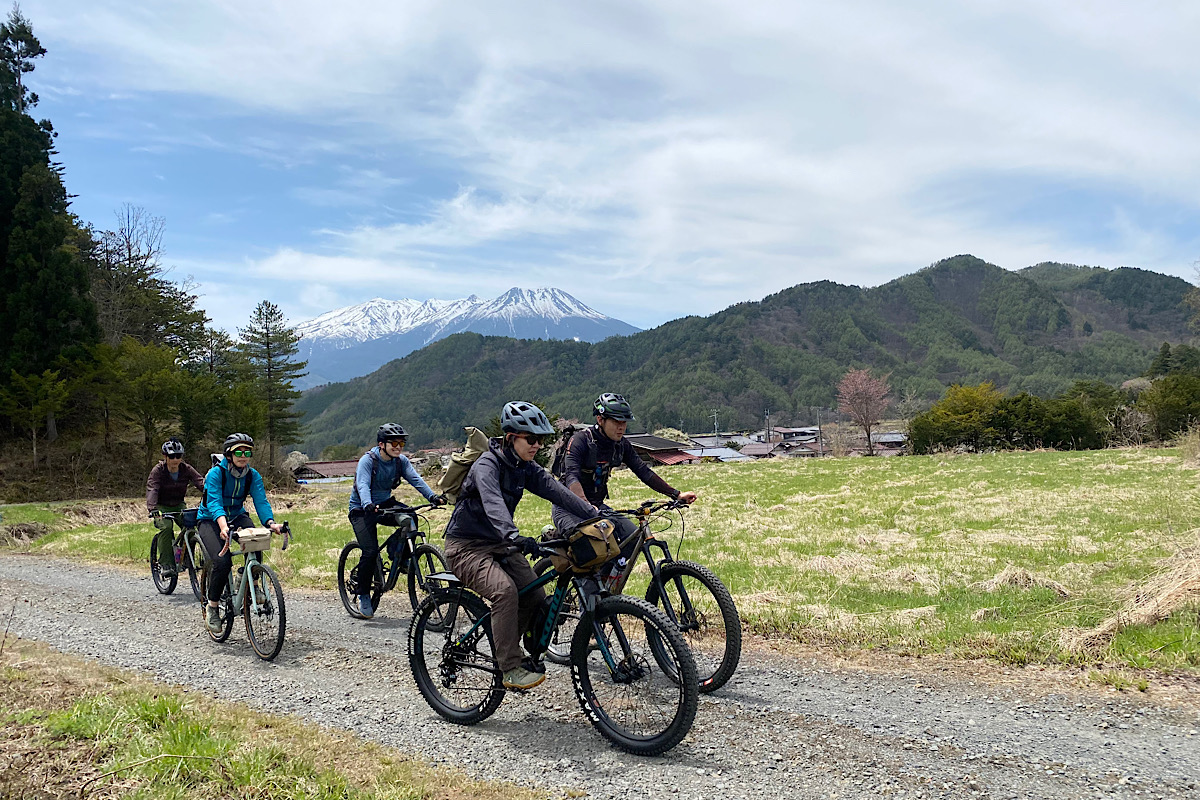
point(653, 158)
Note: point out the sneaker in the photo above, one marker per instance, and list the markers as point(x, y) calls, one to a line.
point(531, 664)
point(212, 618)
point(364, 606)
point(521, 678)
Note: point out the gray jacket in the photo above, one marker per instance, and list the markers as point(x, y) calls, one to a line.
point(493, 488)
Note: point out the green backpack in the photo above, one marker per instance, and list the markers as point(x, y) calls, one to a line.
point(452, 479)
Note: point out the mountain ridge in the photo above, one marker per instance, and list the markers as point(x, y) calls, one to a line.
point(958, 320)
point(354, 340)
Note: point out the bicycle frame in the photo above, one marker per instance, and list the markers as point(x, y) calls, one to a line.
point(184, 539)
point(646, 541)
point(565, 583)
point(409, 534)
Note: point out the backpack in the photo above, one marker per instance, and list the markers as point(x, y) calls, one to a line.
point(450, 484)
point(558, 464)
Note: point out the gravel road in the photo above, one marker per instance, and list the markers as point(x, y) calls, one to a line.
point(785, 726)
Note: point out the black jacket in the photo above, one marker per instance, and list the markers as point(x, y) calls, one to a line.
point(493, 488)
point(591, 458)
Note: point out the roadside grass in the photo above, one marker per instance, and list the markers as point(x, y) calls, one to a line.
point(891, 553)
point(72, 728)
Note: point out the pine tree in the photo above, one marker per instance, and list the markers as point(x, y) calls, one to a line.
point(270, 345)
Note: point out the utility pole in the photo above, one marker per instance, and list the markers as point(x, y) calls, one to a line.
point(820, 436)
point(714, 416)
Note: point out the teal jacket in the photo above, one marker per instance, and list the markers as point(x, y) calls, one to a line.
point(226, 495)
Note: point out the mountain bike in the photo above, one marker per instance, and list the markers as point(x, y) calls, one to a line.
point(632, 672)
point(260, 599)
point(407, 550)
point(189, 553)
point(689, 594)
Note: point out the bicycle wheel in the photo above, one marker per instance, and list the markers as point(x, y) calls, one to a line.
point(349, 593)
point(695, 599)
point(453, 659)
point(164, 583)
point(426, 560)
point(634, 703)
point(226, 608)
point(559, 649)
point(265, 613)
point(194, 555)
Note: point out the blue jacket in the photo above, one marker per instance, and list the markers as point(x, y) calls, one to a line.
point(228, 501)
point(387, 474)
point(494, 486)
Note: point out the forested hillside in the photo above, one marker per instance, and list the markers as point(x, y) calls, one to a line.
point(960, 320)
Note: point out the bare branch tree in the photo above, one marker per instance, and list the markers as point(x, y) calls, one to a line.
point(863, 399)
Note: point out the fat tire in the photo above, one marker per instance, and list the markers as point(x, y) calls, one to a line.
point(658, 627)
point(711, 677)
point(268, 648)
point(467, 606)
point(162, 584)
point(350, 602)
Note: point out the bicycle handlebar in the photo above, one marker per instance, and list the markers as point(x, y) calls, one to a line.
point(651, 506)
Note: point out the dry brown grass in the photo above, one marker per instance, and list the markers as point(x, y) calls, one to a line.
point(1150, 603)
point(1022, 579)
point(105, 512)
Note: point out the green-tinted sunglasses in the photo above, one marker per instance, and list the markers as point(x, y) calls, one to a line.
point(242, 452)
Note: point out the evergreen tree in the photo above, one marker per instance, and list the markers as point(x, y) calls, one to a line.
point(18, 48)
point(270, 347)
point(32, 399)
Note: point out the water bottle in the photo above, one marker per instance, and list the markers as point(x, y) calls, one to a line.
point(614, 574)
point(178, 555)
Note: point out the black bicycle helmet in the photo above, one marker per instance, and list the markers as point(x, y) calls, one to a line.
point(234, 439)
point(173, 448)
point(613, 406)
point(521, 417)
point(391, 430)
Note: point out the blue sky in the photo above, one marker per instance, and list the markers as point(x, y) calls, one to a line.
point(654, 159)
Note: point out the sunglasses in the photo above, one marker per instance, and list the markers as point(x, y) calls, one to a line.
point(533, 439)
point(397, 442)
point(174, 458)
point(242, 452)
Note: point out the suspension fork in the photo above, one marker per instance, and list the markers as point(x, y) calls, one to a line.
point(685, 602)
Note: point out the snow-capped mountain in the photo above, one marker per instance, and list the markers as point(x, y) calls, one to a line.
point(356, 340)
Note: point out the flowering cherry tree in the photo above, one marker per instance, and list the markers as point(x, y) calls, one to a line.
point(863, 399)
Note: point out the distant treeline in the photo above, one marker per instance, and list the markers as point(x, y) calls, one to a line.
point(100, 354)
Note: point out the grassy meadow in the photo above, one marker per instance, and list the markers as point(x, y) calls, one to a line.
point(897, 553)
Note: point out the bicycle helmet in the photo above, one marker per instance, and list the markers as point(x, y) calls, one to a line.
point(521, 417)
point(234, 439)
point(391, 430)
point(172, 448)
point(613, 406)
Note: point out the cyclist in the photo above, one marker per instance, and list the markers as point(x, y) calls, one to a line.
point(166, 489)
point(591, 456)
point(226, 487)
point(379, 471)
point(481, 534)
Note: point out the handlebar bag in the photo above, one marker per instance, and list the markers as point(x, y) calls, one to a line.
point(254, 540)
point(592, 543)
point(188, 517)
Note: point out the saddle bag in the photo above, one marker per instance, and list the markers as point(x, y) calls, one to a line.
point(591, 543)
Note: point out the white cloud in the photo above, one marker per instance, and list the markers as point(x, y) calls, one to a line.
point(704, 152)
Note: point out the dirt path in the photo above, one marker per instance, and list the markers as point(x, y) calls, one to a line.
point(788, 725)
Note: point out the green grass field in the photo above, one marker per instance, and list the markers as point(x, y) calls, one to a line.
point(864, 553)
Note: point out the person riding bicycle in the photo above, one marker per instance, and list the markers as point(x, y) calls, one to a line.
point(483, 546)
point(226, 487)
point(591, 456)
point(379, 471)
point(166, 490)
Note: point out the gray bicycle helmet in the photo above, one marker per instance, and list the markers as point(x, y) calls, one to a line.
point(391, 430)
point(173, 448)
point(234, 439)
point(521, 417)
point(613, 406)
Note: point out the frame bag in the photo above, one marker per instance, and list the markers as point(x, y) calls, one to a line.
point(591, 544)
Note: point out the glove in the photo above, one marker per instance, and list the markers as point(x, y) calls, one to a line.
point(438, 499)
point(155, 514)
point(529, 545)
point(371, 508)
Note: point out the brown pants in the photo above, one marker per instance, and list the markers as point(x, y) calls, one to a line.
point(487, 569)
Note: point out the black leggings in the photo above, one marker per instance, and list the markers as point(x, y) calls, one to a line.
point(219, 566)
